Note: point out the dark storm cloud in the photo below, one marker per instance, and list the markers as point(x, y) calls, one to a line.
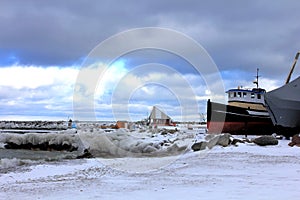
point(237, 34)
point(244, 35)
point(56, 32)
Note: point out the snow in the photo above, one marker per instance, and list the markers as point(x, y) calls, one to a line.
point(244, 172)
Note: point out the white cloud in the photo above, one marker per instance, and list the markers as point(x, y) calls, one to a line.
point(36, 91)
point(110, 78)
point(177, 93)
point(48, 91)
point(32, 77)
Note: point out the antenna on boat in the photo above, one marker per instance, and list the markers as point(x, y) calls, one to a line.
point(292, 69)
point(257, 76)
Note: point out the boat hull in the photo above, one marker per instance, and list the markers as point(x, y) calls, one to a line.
point(236, 120)
point(283, 105)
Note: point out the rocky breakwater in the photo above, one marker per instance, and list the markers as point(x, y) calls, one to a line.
point(226, 139)
point(34, 125)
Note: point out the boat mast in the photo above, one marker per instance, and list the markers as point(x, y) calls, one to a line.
point(292, 69)
point(257, 76)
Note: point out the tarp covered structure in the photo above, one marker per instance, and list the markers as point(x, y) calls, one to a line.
point(158, 117)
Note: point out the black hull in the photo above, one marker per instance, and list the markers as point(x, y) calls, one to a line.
point(236, 120)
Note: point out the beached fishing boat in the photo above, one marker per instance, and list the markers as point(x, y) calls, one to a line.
point(283, 105)
point(245, 113)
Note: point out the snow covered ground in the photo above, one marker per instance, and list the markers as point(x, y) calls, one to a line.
point(244, 172)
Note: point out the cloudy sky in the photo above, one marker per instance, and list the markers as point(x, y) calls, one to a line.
point(45, 46)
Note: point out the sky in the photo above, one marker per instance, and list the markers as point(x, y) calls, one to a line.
point(46, 47)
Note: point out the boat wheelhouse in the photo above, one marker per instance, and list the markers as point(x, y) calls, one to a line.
point(245, 98)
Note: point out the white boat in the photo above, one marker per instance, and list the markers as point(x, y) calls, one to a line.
point(283, 105)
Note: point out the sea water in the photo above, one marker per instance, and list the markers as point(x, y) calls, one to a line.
point(13, 159)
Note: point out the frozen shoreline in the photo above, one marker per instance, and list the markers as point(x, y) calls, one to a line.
point(244, 172)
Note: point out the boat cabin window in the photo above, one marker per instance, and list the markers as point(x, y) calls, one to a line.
point(252, 95)
point(237, 94)
point(259, 96)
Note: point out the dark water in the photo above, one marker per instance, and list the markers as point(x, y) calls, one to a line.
point(36, 155)
point(17, 159)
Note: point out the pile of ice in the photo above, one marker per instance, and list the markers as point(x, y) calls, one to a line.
point(100, 143)
point(64, 140)
point(42, 125)
point(93, 141)
point(123, 143)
